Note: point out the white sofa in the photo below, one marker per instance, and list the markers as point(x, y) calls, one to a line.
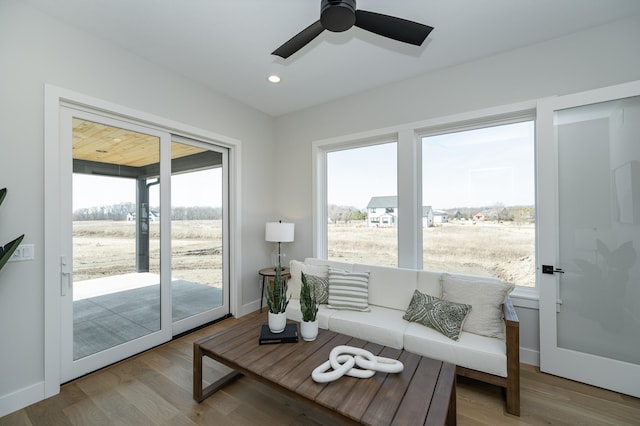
point(490, 359)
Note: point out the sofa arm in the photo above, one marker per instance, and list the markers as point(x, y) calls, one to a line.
point(510, 314)
point(512, 341)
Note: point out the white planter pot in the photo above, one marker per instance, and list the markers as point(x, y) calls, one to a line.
point(309, 330)
point(277, 322)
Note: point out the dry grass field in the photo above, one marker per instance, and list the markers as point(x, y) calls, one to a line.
point(504, 250)
point(103, 248)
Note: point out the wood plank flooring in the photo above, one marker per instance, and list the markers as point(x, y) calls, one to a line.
point(154, 388)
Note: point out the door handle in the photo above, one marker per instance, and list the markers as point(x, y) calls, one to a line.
point(65, 278)
point(550, 269)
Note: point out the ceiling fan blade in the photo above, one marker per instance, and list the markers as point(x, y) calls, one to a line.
point(299, 41)
point(392, 27)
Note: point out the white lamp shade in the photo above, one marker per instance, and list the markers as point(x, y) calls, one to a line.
point(279, 232)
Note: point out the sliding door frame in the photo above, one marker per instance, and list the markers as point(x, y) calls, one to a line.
point(54, 98)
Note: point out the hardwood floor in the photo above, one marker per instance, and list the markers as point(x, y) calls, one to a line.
point(155, 388)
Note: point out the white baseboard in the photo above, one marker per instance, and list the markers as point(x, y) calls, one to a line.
point(21, 398)
point(530, 356)
point(250, 307)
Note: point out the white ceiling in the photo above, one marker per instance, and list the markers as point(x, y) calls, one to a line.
point(226, 44)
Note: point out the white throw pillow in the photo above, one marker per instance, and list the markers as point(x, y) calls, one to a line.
point(486, 297)
point(348, 290)
point(296, 268)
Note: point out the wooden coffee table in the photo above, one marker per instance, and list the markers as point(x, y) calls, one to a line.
point(423, 393)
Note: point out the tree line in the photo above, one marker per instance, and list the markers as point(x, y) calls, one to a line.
point(125, 211)
point(345, 214)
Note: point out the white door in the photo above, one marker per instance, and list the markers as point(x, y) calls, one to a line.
point(589, 237)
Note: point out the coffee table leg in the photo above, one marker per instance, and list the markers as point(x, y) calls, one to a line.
point(197, 372)
point(451, 412)
point(218, 384)
point(200, 394)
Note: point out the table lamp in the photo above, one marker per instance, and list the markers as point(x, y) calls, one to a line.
point(278, 232)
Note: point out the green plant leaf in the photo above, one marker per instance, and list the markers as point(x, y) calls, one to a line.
point(8, 249)
point(308, 302)
point(277, 294)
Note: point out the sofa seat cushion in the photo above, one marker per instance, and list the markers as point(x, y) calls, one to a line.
point(295, 314)
point(486, 354)
point(381, 325)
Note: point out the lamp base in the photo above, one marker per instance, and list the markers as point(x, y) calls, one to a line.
point(278, 260)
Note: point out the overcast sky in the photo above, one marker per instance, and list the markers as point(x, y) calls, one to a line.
point(201, 188)
point(476, 168)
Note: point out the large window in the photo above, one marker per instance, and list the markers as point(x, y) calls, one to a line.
point(478, 191)
point(362, 203)
point(445, 196)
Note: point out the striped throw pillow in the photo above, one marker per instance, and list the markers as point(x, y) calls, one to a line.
point(348, 290)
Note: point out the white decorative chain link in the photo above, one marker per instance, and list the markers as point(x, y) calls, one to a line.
point(344, 359)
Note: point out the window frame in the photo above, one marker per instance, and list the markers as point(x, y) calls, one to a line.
point(409, 144)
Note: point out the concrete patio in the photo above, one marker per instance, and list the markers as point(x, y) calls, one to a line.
point(113, 310)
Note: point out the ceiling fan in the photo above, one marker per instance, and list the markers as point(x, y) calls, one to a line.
point(340, 15)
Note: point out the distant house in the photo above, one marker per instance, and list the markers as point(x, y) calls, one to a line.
point(383, 211)
point(478, 217)
point(427, 217)
point(440, 216)
point(153, 217)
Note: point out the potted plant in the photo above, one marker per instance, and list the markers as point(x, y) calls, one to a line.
point(9, 248)
point(277, 302)
point(309, 309)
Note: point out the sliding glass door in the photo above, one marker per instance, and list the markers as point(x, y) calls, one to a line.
point(144, 232)
point(198, 235)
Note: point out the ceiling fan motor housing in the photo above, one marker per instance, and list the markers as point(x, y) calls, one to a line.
point(338, 15)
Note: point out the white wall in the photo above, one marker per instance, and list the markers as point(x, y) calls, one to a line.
point(35, 50)
point(599, 57)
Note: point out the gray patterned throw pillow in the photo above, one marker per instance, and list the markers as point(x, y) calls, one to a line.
point(441, 315)
point(320, 287)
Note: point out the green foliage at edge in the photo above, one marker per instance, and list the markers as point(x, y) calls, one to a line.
point(277, 294)
point(308, 302)
point(9, 248)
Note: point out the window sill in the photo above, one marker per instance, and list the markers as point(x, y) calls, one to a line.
point(525, 297)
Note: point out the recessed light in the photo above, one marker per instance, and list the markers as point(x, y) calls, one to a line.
point(274, 79)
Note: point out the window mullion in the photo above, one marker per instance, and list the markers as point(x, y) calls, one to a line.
point(409, 200)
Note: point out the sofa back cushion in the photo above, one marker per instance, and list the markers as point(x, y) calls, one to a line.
point(486, 296)
point(389, 287)
point(430, 282)
point(296, 268)
point(310, 266)
point(345, 266)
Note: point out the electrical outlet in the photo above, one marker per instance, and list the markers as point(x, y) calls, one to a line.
point(23, 252)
